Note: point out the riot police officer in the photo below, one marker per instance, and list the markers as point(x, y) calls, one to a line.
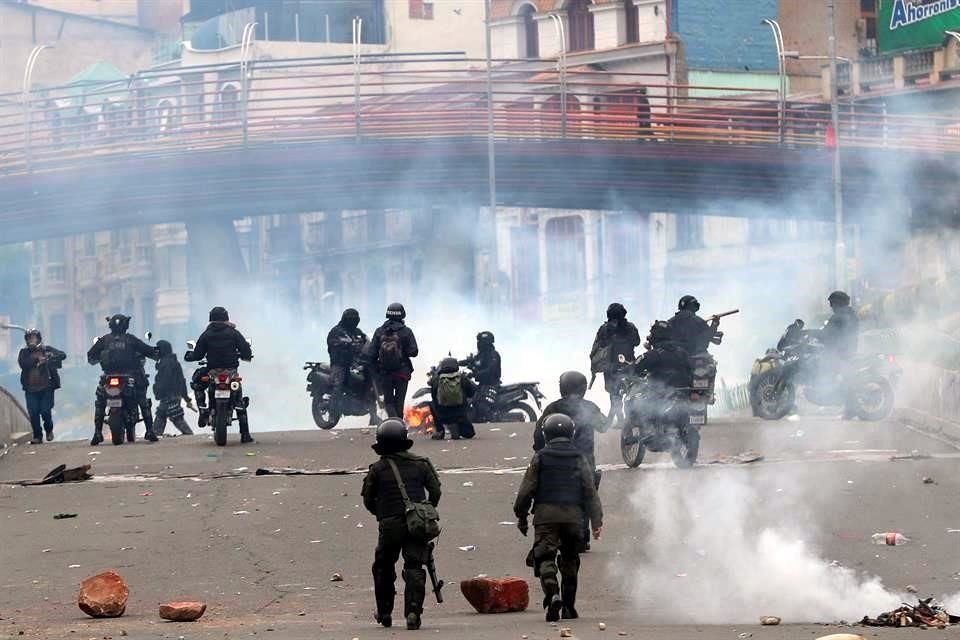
point(689, 331)
point(615, 341)
point(839, 334)
point(486, 368)
point(559, 486)
point(121, 353)
point(345, 342)
point(384, 498)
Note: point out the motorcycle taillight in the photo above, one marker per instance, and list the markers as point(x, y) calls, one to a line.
point(113, 382)
point(222, 377)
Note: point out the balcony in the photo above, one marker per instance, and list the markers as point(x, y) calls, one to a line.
point(48, 280)
point(912, 68)
point(87, 271)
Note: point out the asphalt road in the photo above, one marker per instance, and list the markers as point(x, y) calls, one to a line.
point(685, 554)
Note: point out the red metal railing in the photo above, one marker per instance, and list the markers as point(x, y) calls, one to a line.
point(178, 110)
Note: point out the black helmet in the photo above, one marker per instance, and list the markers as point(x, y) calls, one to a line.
point(659, 333)
point(392, 437)
point(616, 311)
point(32, 333)
point(164, 348)
point(350, 318)
point(573, 383)
point(219, 314)
point(396, 311)
point(688, 303)
point(557, 425)
point(118, 323)
point(449, 365)
point(485, 339)
point(839, 299)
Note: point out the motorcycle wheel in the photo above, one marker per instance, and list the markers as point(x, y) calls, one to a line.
point(874, 398)
point(685, 451)
point(520, 412)
point(117, 431)
point(631, 448)
point(323, 414)
point(221, 419)
point(770, 403)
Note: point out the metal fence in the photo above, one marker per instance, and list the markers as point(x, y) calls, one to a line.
point(182, 109)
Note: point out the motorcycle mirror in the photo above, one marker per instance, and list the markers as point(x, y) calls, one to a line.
point(191, 344)
point(148, 336)
point(621, 359)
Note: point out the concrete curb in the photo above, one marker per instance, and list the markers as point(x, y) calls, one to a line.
point(946, 429)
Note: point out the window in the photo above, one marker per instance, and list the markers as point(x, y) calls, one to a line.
point(633, 21)
point(229, 102)
point(354, 227)
point(531, 33)
point(580, 21)
point(525, 267)
point(566, 254)
point(326, 20)
point(89, 244)
point(421, 9)
point(689, 232)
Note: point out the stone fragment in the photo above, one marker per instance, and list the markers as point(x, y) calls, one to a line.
point(496, 595)
point(103, 595)
point(182, 611)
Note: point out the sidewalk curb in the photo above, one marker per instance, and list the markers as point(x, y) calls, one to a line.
point(946, 429)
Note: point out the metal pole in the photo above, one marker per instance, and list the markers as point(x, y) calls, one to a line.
point(782, 71)
point(296, 26)
point(246, 45)
point(26, 99)
point(489, 237)
point(357, 36)
point(561, 71)
point(840, 251)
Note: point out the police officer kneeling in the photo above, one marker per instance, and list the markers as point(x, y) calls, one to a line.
point(396, 479)
point(559, 485)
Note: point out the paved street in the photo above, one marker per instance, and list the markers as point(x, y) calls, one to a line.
point(682, 554)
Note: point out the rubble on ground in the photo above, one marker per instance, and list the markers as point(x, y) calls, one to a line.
point(496, 595)
point(182, 611)
point(927, 613)
point(103, 595)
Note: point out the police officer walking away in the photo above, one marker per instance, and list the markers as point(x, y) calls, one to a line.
point(169, 388)
point(119, 352)
point(616, 337)
point(560, 487)
point(399, 477)
point(39, 378)
point(390, 351)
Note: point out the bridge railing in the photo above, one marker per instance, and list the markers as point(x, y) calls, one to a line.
point(372, 98)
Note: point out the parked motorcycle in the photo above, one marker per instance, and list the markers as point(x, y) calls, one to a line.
point(507, 403)
point(865, 387)
point(225, 399)
point(330, 404)
point(123, 412)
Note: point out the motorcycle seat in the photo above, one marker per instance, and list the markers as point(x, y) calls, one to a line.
point(517, 385)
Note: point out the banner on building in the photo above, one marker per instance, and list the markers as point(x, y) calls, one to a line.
point(915, 24)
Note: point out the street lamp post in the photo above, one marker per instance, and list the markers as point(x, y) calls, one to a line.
point(26, 99)
point(489, 235)
point(840, 250)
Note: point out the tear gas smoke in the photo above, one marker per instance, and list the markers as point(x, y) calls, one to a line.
point(716, 553)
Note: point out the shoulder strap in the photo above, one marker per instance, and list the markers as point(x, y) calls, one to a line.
point(396, 474)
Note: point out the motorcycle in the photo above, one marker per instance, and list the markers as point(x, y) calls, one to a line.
point(661, 418)
point(224, 391)
point(506, 403)
point(865, 388)
point(123, 411)
point(357, 399)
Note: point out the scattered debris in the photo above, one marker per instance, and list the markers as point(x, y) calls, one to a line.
point(953, 530)
point(496, 595)
point(769, 621)
point(241, 469)
point(336, 578)
point(928, 480)
point(182, 611)
point(841, 636)
point(242, 512)
point(146, 494)
point(467, 484)
point(513, 435)
point(911, 589)
point(507, 523)
point(741, 458)
point(469, 547)
point(290, 471)
point(359, 525)
point(46, 550)
point(565, 632)
point(57, 475)
point(103, 595)
point(745, 635)
point(64, 516)
point(889, 538)
point(913, 455)
point(927, 613)
point(602, 626)
point(73, 566)
point(251, 454)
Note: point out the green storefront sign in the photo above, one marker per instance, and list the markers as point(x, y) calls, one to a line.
point(915, 24)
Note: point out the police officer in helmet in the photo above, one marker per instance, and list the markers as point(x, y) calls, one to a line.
point(486, 368)
point(121, 353)
point(616, 340)
point(689, 331)
point(839, 334)
point(383, 498)
point(559, 485)
point(391, 352)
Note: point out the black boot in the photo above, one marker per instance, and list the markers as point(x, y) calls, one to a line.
point(203, 418)
point(151, 436)
point(569, 589)
point(245, 437)
point(413, 621)
point(384, 619)
point(553, 609)
point(97, 436)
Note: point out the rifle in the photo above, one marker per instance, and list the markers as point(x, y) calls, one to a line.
point(432, 570)
point(593, 377)
point(723, 315)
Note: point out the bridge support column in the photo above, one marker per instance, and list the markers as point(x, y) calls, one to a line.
point(216, 272)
